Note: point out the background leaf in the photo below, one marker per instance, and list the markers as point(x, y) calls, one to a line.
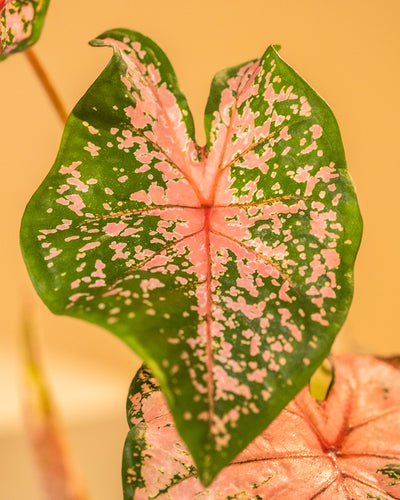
point(344, 447)
point(227, 268)
point(21, 23)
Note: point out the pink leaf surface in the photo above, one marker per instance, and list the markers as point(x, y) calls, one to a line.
point(346, 447)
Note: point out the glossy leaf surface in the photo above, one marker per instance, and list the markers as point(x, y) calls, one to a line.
point(21, 23)
point(228, 268)
point(346, 447)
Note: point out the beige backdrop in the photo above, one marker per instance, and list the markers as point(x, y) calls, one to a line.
point(348, 50)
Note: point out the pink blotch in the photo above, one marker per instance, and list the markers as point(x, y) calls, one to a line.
point(309, 148)
point(318, 223)
point(305, 107)
point(92, 149)
point(285, 134)
point(226, 384)
point(327, 173)
point(283, 292)
point(294, 330)
point(317, 205)
point(319, 302)
point(316, 131)
point(276, 346)
point(254, 345)
point(79, 185)
point(140, 196)
point(266, 356)
point(90, 246)
point(318, 269)
point(62, 189)
point(65, 225)
point(119, 254)
point(62, 201)
point(265, 395)
point(75, 283)
point(273, 366)
point(247, 334)
point(69, 170)
point(328, 292)
point(302, 174)
point(331, 257)
point(130, 231)
point(143, 113)
point(319, 319)
point(336, 199)
point(257, 375)
point(77, 296)
point(53, 253)
point(77, 203)
point(114, 228)
point(99, 266)
point(150, 284)
point(225, 351)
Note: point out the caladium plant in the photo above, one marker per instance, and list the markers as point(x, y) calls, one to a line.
point(344, 447)
point(228, 267)
point(21, 23)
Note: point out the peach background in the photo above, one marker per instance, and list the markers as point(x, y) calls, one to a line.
point(347, 50)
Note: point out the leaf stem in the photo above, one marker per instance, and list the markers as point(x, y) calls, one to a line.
point(47, 439)
point(47, 84)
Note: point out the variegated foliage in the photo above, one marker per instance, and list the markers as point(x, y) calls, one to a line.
point(228, 267)
point(21, 23)
point(344, 447)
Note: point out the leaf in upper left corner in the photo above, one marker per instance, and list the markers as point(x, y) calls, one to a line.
point(21, 23)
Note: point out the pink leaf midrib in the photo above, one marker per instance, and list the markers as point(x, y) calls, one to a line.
point(209, 304)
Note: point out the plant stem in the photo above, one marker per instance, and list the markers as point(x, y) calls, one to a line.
point(48, 86)
point(59, 478)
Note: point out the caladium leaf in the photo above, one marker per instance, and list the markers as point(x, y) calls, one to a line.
point(21, 23)
point(228, 268)
point(345, 447)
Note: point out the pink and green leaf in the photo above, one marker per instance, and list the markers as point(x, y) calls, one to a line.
point(21, 23)
point(344, 447)
point(228, 267)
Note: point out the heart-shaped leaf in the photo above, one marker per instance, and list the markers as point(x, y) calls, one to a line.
point(21, 23)
point(227, 268)
point(344, 447)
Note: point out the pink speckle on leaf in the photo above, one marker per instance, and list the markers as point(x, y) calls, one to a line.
point(114, 228)
point(72, 168)
point(316, 131)
point(92, 149)
point(89, 246)
point(76, 203)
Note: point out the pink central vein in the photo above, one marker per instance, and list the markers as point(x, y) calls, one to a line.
point(210, 382)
